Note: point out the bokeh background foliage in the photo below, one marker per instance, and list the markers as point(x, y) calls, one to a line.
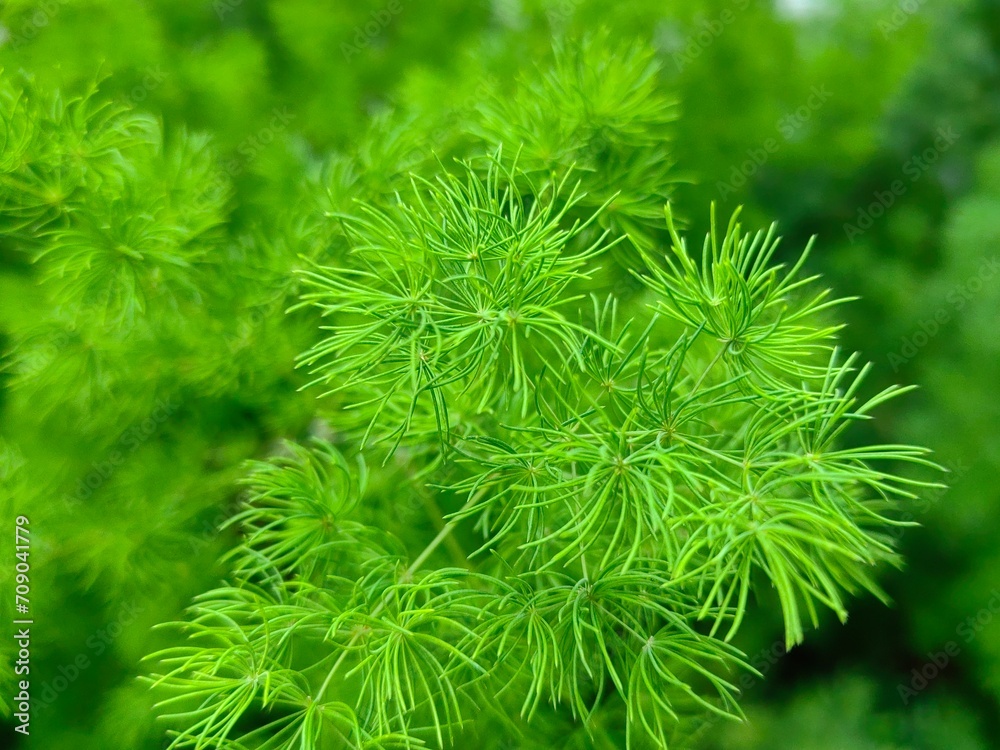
point(214, 138)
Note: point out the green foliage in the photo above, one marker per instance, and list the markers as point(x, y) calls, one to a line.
point(626, 486)
point(598, 109)
point(386, 332)
point(456, 291)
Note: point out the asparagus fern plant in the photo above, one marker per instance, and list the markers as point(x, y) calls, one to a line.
point(615, 483)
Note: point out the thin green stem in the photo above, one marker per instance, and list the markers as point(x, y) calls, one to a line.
point(713, 363)
point(420, 559)
point(437, 518)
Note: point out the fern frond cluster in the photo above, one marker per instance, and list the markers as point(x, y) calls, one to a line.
point(613, 484)
point(463, 289)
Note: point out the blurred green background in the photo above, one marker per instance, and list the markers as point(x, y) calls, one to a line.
point(873, 124)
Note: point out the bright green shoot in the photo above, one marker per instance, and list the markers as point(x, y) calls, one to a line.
point(618, 485)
